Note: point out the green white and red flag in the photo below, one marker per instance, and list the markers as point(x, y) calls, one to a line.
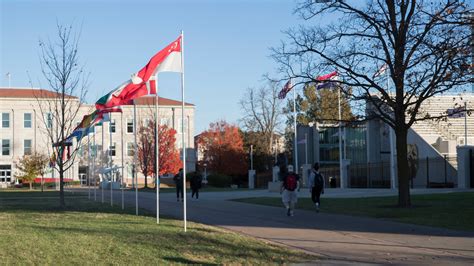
point(143, 83)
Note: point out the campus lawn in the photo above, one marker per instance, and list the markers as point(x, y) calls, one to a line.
point(34, 231)
point(449, 210)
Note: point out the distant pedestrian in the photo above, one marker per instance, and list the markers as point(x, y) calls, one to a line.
point(316, 185)
point(178, 180)
point(291, 184)
point(196, 181)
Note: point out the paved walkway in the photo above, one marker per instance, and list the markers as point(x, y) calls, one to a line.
point(339, 239)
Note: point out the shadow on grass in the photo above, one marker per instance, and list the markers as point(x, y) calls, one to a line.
point(220, 245)
point(185, 261)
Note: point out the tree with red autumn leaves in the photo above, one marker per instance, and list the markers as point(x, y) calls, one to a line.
point(169, 161)
point(223, 149)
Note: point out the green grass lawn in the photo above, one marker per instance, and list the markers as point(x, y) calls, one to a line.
point(34, 231)
point(450, 210)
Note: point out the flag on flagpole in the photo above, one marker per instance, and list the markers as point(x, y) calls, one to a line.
point(143, 82)
point(380, 71)
point(327, 81)
point(327, 76)
point(287, 88)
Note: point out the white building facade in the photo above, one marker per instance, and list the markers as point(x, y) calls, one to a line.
point(23, 131)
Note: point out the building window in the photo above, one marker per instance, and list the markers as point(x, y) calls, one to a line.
point(49, 120)
point(165, 122)
point(5, 120)
point(95, 149)
point(27, 120)
point(146, 122)
point(5, 147)
point(129, 125)
point(180, 125)
point(112, 149)
point(27, 146)
point(130, 170)
point(112, 126)
point(130, 149)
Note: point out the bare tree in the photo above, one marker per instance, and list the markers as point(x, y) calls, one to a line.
point(68, 83)
point(424, 44)
point(262, 112)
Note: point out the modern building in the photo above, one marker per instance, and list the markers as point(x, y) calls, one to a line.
point(24, 122)
point(369, 153)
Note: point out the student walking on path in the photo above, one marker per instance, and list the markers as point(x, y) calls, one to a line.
point(178, 180)
point(316, 185)
point(196, 181)
point(288, 190)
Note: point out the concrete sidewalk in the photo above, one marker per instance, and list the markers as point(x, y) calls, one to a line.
point(338, 239)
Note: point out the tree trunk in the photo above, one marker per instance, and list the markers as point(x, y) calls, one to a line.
point(146, 181)
point(402, 168)
point(42, 183)
point(62, 203)
point(31, 185)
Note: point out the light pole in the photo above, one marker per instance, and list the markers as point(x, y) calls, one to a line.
point(251, 157)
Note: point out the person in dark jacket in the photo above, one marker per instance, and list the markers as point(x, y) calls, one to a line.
point(196, 181)
point(178, 180)
point(316, 185)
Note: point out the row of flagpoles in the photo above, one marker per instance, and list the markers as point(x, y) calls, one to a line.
point(142, 83)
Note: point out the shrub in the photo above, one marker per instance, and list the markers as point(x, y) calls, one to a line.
point(218, 180)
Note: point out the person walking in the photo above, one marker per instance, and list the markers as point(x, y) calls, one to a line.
point(316, 185)
point(288, 189)
point(196, 181)
point(178, 180)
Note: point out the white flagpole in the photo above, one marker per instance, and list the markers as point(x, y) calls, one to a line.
point(102, 162)
point(392, 142)
point(465, 123)
point(123, 166)
point(296, 134)
point(9, 75)
point(157, 152)
point(93, 165)
point(88, 166)
point(135, 172)
point(340, 138)
point(306, 147)
point(110, 162)
point(183, 143)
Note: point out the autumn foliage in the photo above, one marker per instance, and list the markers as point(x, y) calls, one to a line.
point(169, 161)
point(222, 145)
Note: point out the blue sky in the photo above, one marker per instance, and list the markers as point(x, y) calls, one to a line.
point(226, 45)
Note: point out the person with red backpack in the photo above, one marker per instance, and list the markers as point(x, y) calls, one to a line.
point(316, 185)
point(289, 187)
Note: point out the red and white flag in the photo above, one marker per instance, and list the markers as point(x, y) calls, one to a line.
point(327, 76)
point(381, 70)
point(142, 83)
